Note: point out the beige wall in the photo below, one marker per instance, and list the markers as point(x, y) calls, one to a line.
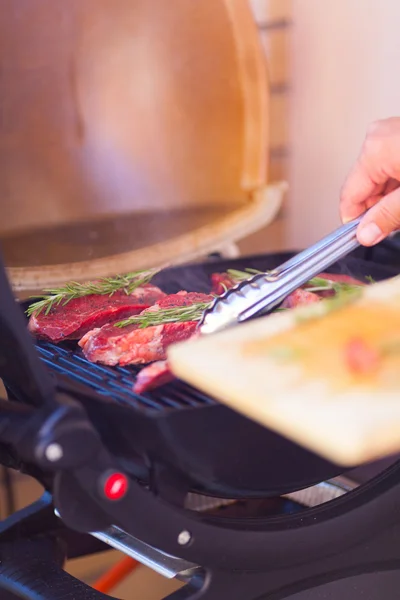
point(345, 60)
point(339, 63)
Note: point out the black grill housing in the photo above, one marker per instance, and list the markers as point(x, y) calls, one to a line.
point(176, 428)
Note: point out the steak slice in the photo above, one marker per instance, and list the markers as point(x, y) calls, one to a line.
point(158, 373)
point(80, 315)
point(220, 282)
point(300, 297)
point(223, 281)
point(133, 344)
point(153, 376)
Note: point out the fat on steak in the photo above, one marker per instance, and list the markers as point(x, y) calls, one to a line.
point(133, 344)
point(72, 321)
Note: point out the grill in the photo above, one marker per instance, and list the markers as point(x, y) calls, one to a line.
point(174, 444)
point(117, 382)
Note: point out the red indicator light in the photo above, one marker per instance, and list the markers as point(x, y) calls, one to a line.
point(115, 486)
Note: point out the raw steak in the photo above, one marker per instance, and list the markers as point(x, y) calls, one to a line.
point(130, 345)
point(158, 373)
point(223, 281)
point(83, 314)
point(153, 376)
point(300, 298)
point(220, 282)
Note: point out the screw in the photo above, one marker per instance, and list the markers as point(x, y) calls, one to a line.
point(184, 538)
point(53, 452)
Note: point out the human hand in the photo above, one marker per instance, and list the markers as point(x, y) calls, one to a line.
point(374, 183)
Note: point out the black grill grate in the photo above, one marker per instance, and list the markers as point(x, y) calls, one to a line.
point(117, 382)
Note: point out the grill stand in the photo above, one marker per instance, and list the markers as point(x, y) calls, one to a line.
point(356, 535)
point(34, 544)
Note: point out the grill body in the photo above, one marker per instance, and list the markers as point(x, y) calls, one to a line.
point(176, 429)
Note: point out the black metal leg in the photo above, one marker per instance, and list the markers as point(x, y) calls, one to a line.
point(32, 570)
point(38, 520)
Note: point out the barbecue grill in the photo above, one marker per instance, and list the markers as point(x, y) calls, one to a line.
point(134, 473)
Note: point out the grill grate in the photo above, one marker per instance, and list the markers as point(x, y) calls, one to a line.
point(117, 382)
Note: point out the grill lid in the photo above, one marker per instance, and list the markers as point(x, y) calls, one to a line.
point(105, 170)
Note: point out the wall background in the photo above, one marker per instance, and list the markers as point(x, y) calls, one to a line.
point(333, 68)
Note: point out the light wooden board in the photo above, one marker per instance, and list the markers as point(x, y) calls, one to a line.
point(350, 423)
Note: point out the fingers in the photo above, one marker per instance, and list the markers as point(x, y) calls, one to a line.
point(381, 220)
point(378, 163)
point(358, 188)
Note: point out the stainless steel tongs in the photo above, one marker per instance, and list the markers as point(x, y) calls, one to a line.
point(265, 291)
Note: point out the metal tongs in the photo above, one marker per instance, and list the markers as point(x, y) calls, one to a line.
point(264, 292)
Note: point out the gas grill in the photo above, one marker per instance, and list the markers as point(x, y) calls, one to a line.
point(179, 481)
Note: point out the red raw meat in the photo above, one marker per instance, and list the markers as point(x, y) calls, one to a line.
point(158, 373)
point(337, 279)
point(153, 376)
point(221, 282)
point(83, 314)
point(300, 298)
point(130, 345)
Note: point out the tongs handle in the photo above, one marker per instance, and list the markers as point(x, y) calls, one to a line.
point(265, 291)
point(306, 265)
point(20, 367)
point(330, 249)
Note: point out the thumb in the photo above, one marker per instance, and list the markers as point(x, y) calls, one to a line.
point(381, 220)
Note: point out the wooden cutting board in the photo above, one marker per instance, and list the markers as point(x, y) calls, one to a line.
point(301, 374)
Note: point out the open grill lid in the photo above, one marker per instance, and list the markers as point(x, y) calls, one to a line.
point(103, 173)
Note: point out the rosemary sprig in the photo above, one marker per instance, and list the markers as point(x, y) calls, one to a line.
point(316, 284)
point(103, 287)
point(177, 314)
point(242, 275)
point(194, 312)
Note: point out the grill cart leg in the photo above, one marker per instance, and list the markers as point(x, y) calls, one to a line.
point(34, 545)
point(32, 570)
